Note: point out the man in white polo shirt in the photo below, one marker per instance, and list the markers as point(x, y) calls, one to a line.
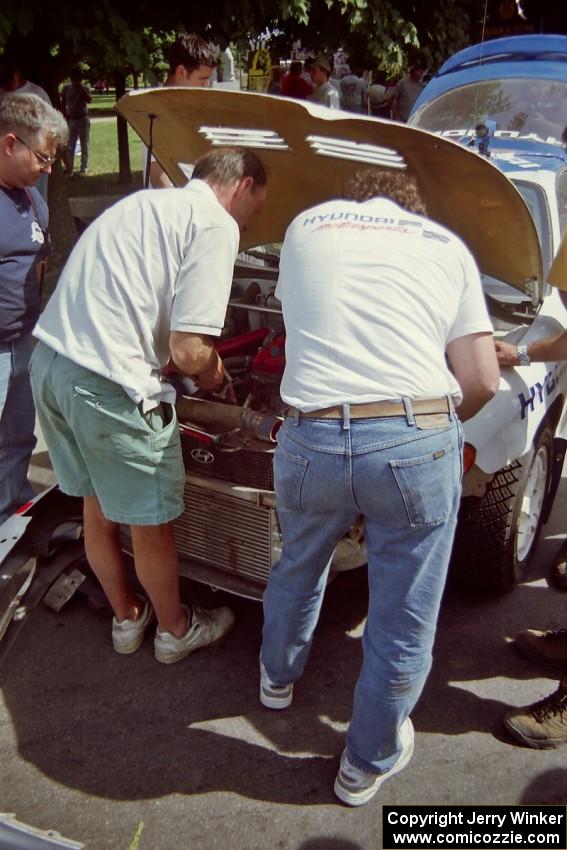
point(375, 296)
point(148, 280)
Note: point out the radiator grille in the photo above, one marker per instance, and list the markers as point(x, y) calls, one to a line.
point(251, 467)
point(229, 533)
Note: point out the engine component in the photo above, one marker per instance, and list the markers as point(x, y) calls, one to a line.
point(264, 426)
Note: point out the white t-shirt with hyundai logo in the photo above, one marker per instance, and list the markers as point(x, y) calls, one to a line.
point(371, 297)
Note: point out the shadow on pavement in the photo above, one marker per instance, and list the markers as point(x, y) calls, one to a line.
point(551, 786)
point(127, 728)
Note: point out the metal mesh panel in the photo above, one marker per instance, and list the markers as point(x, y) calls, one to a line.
point(229, 533)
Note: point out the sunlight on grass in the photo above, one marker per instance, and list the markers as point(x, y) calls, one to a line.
point(102, 177)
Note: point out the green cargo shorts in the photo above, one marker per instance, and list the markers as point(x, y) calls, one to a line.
point(100, 444)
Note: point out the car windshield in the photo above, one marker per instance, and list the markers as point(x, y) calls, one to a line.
point(523, 109)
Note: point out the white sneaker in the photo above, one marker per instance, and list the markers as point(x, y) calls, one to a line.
point(207, 627)
point(127, 635)
point(355, 786)
point(274, 696)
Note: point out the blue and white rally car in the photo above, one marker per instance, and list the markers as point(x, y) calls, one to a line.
point(507, 99)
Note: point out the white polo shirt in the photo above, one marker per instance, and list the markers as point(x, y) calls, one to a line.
point(153, 263)
point(371, 297)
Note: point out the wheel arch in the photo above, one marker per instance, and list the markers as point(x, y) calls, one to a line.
point(551, 421)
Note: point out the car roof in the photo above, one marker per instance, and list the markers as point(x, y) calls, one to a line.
point(309, 151)
point(517, 48)
point(516, 57)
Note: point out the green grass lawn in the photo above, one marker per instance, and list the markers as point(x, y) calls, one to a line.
point(102, 176)
point(102, 102)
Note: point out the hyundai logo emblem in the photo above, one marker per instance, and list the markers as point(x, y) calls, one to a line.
point(202, 456)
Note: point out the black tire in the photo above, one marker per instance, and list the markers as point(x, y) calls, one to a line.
point(495, 540)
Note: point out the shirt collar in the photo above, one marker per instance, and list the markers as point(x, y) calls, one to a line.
point(201, 187)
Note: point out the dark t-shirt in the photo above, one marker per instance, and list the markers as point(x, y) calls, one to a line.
point(75, 99)
point(23, 244)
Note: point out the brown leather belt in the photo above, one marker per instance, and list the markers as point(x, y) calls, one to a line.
point(379, 409)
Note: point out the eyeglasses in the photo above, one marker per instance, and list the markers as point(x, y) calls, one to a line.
point(44, 159)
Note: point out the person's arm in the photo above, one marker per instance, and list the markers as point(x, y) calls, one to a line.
point(158, 177)
point(202, 291)
point(473, 361)
point(549, 348)
point(86, 93)
point(196, 356)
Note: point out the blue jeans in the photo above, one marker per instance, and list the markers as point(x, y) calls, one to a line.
point(17, 422)
point(405, 482)
point(79, 128)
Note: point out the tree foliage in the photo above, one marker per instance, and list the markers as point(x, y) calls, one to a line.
point(127, 34)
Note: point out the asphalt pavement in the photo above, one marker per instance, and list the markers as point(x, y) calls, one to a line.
point(122, 753)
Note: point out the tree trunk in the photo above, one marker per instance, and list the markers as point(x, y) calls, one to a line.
point(62, 228)
point(124, 170)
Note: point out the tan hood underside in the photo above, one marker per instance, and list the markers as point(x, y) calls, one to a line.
point(309, 151)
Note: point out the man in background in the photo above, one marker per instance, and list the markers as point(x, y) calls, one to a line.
point(294, 84)
point(191, 61)
point(30, 133)
point(324, 92)
point(353, 91)
point(406, 92)
point(75, 99)
point(13, 79)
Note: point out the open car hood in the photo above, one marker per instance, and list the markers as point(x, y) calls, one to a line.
point(309, 151)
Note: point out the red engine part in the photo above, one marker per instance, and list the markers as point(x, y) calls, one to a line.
point(271, 357)
point(242, 344)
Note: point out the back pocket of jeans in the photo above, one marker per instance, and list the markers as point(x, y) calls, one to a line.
point(427, 485)
point(289, 474)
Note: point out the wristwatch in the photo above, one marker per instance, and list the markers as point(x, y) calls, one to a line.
point(523, 356)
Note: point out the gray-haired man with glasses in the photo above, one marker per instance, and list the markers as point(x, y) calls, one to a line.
point(31, 132)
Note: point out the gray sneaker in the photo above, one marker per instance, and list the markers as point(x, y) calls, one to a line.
point(207, 627)
point(274, 696)
point(127, 635)
point(356, 787)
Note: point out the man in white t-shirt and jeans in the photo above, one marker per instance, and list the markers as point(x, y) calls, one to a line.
point(149, 280)
point(375, 297)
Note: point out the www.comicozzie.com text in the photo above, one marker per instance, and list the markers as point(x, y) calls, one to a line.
point(471, 827)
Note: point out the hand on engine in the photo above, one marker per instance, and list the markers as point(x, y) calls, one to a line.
point(212, 378)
